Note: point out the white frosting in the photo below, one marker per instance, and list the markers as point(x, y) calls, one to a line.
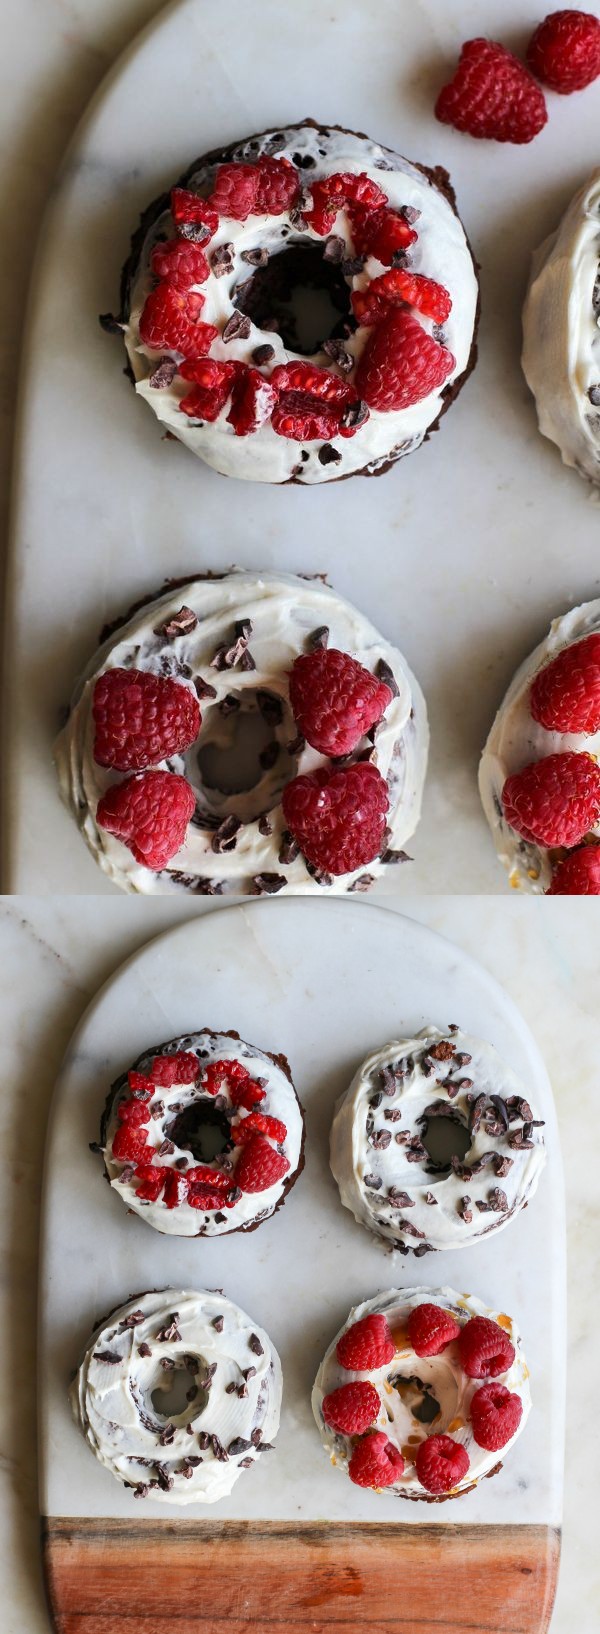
point(112, 1401)
point(366, 1170)
point(284, 610)
point(441, 252)
point(280, 1102)
point(561, 328)
point(452, 1389)
point(516, 740)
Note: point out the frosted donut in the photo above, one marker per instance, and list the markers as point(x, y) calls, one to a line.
point(218, 1382)
point(390, 1138)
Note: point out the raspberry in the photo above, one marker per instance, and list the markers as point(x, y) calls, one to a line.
point(372, 304)
point(401, 364)
point(554, 801)
point(211, 1179)
point(259, 1166)
point(129, 1143)
point(180, 263)
point(187, 209)
point(235, 191)
point(430, 1329)
point(441, 1463)
point(375, 1461)
point(176, 1188)
point(381, 233)
point(150, 814)
point(338, 818)
point(492, 95)
point(252, 402)
point(278, 186)
point(243, 1091)
point(141, 718)
point(335, 700)
point(496, 1414)
point(352, 1408)
point(169, 321)
point(180, 1068)
point(485, 1350)
point(310, 401)
point(203, 1197)
point(258, 1123)
point(334, 192)
point(132, 1112)
point(578, 875)
point(152, 1182)
point(564, 52)
point(367, 1344)
point(565, 696)
point(142, 1086)
point(214, 382)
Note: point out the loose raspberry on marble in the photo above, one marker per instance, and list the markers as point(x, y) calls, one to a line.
point(252, 403)
point(150, 813)
point(310, 401)
point(564, 51)
point(141, 718)
point(367, 1344)
point(176, 1188)
point(134, 1113)
point(565, 695)
point(492, 95)
point(334, 192)
point(352, 1408)
point(180, 1068)
point(375, 1461)
point(180, 263)
point(555, 801)
point(485, 1350)
point(170, 322)
point(430, 1329)
point(382, 233)
point(258, 1123)
point(232, 1075)
point(338, 817)
point(441, 1463)
point(130, 1144)
point(335, 700)
point(496, 1414)
point(259, 1166)
point(213, 382)
point(398, 286)
point(151, 1180)
point(401, 364)
point(578, 875)
point(189, 210)
point(278, 186)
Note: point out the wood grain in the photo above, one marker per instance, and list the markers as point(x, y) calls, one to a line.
point(203, 1577)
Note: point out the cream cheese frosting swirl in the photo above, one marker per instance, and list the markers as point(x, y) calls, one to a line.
point(177, 1393)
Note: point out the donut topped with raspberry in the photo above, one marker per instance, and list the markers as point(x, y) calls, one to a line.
point(204, 1135)
point(421, 1393)
point(301, 306)
point(539, 777)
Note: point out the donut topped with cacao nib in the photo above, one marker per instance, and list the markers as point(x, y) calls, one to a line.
point(272, 386)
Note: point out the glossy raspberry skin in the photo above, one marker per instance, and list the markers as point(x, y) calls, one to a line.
point(496, 1414)
point(338, 818)
point(252, 403)
point(259, 1166)
point(485, 1350)
point(169, 322)
point(430, 1329)
point(564, 52)
point(555, 801)
point(130, 1143)
point(180, 1068)
point(243, 1090)
point(188, 209)
point(150, 813)
point(141, 718)
point(258, 1123)
point(352, 1408)
point(401, 364)
point(578, 875)
point(492, 95)
point(180, 263)
point(398, 286)
point(334, 192)
point(335, 700)
point(565, 695)
point(367, 1344)
point(176, 1188)
point(381, 233)
point(278, 186)
point(140, 1085)
point(134, 1113)
point(213, 383)
point(310, 402)
point(152, 1182)
point(270, 187)
point(211, 1179)
point(375, 1461)
point(441, 1463)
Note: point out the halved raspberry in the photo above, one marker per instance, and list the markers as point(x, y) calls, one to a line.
point(176, 1188)
point(334, 192)
point(430, 1329)
point(366, 1345)
point(246, 1094)
point(484, 1348)
point(141, 718)
point(395, 287)
point(235, 191)
point(135, 1113)
point(352, 1408)
point(169, 322)
point(151, 1182)
point(130, 1143)
point(401, 364)
point(208, 1198)
point(180, 1068)
point(278, 186)
point(564, 51)
point(310, 401)
point(555, 801)
point(496, 1414)
point(259, 1166)
point(492, 95)
point(214, 382)
point(252, 402)
point(441, 1463)
point(150, 813)
point(232, 1075)
point(335, 700)
point(188, 209)
point(381, 233)
point(565, 696)
point(258, 1123)
point(180, 263)
point(375, 1461)
point(578, 875)
point(338, 818)
point(211, 1179)
point(139, 1084)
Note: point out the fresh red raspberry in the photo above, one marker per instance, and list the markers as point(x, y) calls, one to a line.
point(176, 1188)
point(578, 875)
point(564, 52)
point(252, 402)
point(554, 801)
point(141, 1085)
point(367, 1344)
point(235, 191)
point(338, 818)
point(485, 1350)
point(565, 696)
point(496, 1414)
point(134, 1113)
point(169, 322)
point(352, 1408)
point(310, 401)
point(430, 1329)
point(401, 364)
point(492, 95)
point(381, 233)
point(203, 1197)
point(180, 263)
point(334, 192)
point(211, 1179)
point(152, 1182)
point(259, 1166)
point(187, 210)
point(375, 1461)
point(180, 1068)
point(150, 813)
point(130, 1143)
point(246, 1094)
point(232, 1075)
point(278, 186)
point(441, 1463)
point(372, 304)
point(335, 700)
point(141, 718)
point(213, 384)
point(258, 1123)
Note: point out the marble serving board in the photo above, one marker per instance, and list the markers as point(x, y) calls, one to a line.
point(461, 554)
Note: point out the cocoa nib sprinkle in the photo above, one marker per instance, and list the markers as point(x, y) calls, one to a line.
point(289, 848)
point(144, 1349)
point(110, 1356)
point(182, 623)
point(265, 826)
point(334, 249)
point(363, 883)
point(204, 688)
point(409, 1230)
point(255, 1345)
point(221, 260)
point(163, 374)
point(238, 327)
point(385, 674)
point(429, 1198)
point(498, 1200)
point(131, 1321)
point(218, 1323)
point(267, 884)
point(318, 638)
point(335, 349)
point(226, 657)
point(400, 1199)
point(380, 1139)
point(255, 258)
point(238, 1445)
point(328, 455)
point(353, 416)
point(171, 1328)
point(464, 1209)
point(263, 354)
point(166, 1435)
point(390, 856)
point(219, 1450)
point(225, 838)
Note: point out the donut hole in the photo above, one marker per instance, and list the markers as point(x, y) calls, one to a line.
point(445, 1138)
point(243, 759)
point(301, 294)
point(174, 1392)
point(202, 1129)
